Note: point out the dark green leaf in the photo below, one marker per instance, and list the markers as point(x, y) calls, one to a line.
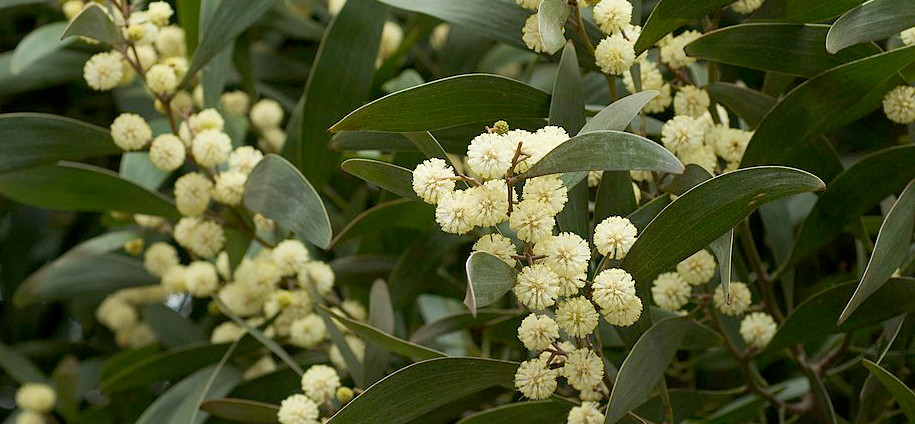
point(189, 19)
point(171, 328)
point(552, 16)
point(18, 367)
point(460, 321)
point(904, 396)
point(126, 358)
point(393, 178)
point(874, 20)
point(817, 316)
point(278, 190)
point(669, 15)
point(852, 193)
point(644, 366)
point(385, 340)
point(488, 279)
point(179, 404)
point(93, 23)
point(792, 49)
point(620, 113)
point(474, 15)
point(37, 45)
point(723, 248)
point(804, 10)
point(416, 271)
point(606, 151)
point(615, 196)
point(353, 365)
point(136, 167)
point(567, 107)
point(79, 187)
point(381, 317)
point(241, 410)
point(168, 365)
point(31, 139)
point(400, 213)
point(448, 102)
point(57, 68)
point(419, 388)
point(645, 214)
point(532, 412)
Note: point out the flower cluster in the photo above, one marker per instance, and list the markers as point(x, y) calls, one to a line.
point(323, 393)
point(35, 401)
point(694, 137)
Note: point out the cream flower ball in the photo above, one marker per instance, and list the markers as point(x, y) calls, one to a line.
point(167, 152)
point(682, 133)
point(201, 237)
point(241, 299)
point(614, 236)
point(159, 12)
point(757, 329)
point(319, 274)
point(566, 254)
point(671, 50)
point(908, 37)
point(192, 194)
point(746, 7)
point(226, 332)
point(535, 380)
point(583, 369)
point(130, 131)
point(36, 397)
point(320, 383)
point(497, 245)
point(230, 187)
point(651, 79)
point(702, 155)
point(491, 201)
point(211, 148)
point(298, 409)
point(290, 255)
point(577, 317)
point(161, 79)
point(201, 278)
point(691, 101)
point(899, 104)
point(29, 417)
point(670, 292)
point(72, 8)
point(698, 268)
point(235, 103)
point(587, 413)
point(570, 286)
point(103, 71)
point(456, 212)
point(266, 113)
point(538, 332)
point(308, 332)
point(614, 54)
point(537, 287)
point(613, 15)
point(547, 190)
point(625, 315)
point(730, 143)
point(170, 41)
point(532, 221)
point(159, 257)
point(391, 37)
point(740, 299)
point(432, 179)
point(116, 314)
point(490, 155)
point(612, 288)
point(244, 159)
point(530, 34)
point(207, 119)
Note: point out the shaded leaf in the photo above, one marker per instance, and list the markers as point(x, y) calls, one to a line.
point(136, 167)
point(873, 20)
point(179, 403)
point(669, 15)
point(393, 178)
point(488, 279)
point(804, 10)
point(460, 321)
point(31, 139)
point(567, 106)
point(551, 17)
point(474, 15)
point(38, 44)
point(530, 412)
point(619, 114)
point(400, 213)
point(904, 396)
point(18, 367)
point(171, 328)
point(167, 365)
point(241, 410)
point(79, 273)
point(385, 340)
point(381, 317)
point(93, 23)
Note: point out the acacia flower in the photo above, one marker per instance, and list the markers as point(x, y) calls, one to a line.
point(537, 332)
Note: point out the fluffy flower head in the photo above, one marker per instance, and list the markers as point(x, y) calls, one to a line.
point(757, 329)
point(614, 236)
point(537, 332)
point(670, 292)
point(614, 54)
point(432, 179)
point(537, 287)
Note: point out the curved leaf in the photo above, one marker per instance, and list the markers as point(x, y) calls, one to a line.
point(79, 273)
point(242, 410)
point(178, 405)
point(163, 366)
point(385, 340)
point(904, 396)
point(37, 45)
point(57, 68)
point(79, 187)
point(816, 317)
point(393, 178)
point(31, 139)
point(400, 213)
point(172, 328)
point(93, 23)
point(804, 10)
point(277, 190)
point(551, 17)
point(852, 193)
point(474, 15)
point(832, 99)
point(619, 114)
point(448, 102)
point(422, 387)
point(532, 412)
point(488, 279)
point(567, 106)
point(136, 167)
point(873, 20)
point(460, 321)
point(791, 49)
point(19, 367)
point(606, 151)
point(669, 15)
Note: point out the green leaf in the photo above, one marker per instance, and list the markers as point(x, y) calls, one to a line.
point(179, 404)
point(393, 178)
point(416, 271)
point(792, 49)
point(619, 114)
point(850, 195)
point(277, 190)
point(804, 10)
point(55, 69)
point(460, 321)
point(832, 99)
point(79, 187)
point(817, 316)
point(890, 250)
point(873, 20)
point(448, 102)
point(242, 410)
point(136, 167)
point(531, 412)
point(669, 15)
point(707, 211)
point(904, 396)
point(381, 317)
point(645, 366)
point(229, 20)
point(615, 196)
point(422, 387)
point(567, 107)
point(37, 45)
point(645, 214)
point(723, 248)
point(551, 17)
point(400, 213)
point(32, 139)
point(606, 151)
point(488, 279)
point(93, 23)
point(259, 335)
point(339, 81)
point(125, 358)
point(171, 328)
point(188, 12)
point(18, 367)
point(385, 340)
point(175, 363)
point(474, 15)
point(354, 366)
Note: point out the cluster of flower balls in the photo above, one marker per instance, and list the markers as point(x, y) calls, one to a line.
point(321, 389)
point(35, 401)
point(899, 103)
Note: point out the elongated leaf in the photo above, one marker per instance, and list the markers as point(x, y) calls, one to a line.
point(93, 23)
point(37, 45)
point(488, 279)
point(460, 321)
point(168, 365)
point(723, 248)
point(78, 274)
point(669, 15)
point(179, 404)
point(243, 410)
point(419, 388)
point(340, 80)
point(551, 17)
point(57, 68)
point(645, 214)
point(533, 412)
point(229, 20)
point(644, 366)
point(79, 187)
point(567, 107)
point(850, 194)
point(830, 100)
point(804, 10)
point(606, 151)
point(873, 20)
point(904, 396)
point(136, 167)
point(19, 367)
point(792, 49)
point(393, 178)
point(171, 328)
point(400, 213)
point(707, 211)
point(385, 340)
point(381, 317)
point(890, 250)
point(448, 102)
point(125, 359)
point(32, 139)
point(619, 114)
point(817, 316)
point(474, 15)
point(615, 196)
point(277, 190)
point(416, 271)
